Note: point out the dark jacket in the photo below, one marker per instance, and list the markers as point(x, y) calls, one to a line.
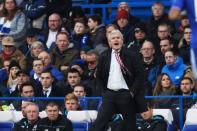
point(24, 125)
point(62, 123)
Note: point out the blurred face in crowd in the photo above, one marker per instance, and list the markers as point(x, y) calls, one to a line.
point(79, 91)
point(92, 24)
point(165, 82)
point(32, 113)
point(73, 78)
point(45, 57)
point(6, 64)
point(91, 61)
point(170, 58)
point(23, 107)
point(46, 80)
point(13, 71)
point(30, 40)
point(38, 66)
point(123, 6)
point(115, 39)
point(157, 10)
point(77, 67)
point(122, 22)
point(62, 42)
point(37, 50)
point(8, 49)
point(10, 5)
point(165, 45)
point(163, 32)
point(184, 22)
point(71, 105)
point(187, 35)
point(22, 78)
point(186, 86)
point(109, 30)
point(140, 35)
point(147, 50)
point(27, 91)
point(79, 28)
point(54, 22)
point(52, 112)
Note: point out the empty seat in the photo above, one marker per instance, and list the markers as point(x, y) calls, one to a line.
point(80, 126)
point(191, 121)
point(6, 126)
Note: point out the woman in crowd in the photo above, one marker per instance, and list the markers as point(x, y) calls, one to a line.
point(164, 87)
point(13, 22)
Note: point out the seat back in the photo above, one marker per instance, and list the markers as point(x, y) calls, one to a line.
point(6, 126)
point(80, 126)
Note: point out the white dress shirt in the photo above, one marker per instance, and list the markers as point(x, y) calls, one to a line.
point(116, 80)
point(51, 38)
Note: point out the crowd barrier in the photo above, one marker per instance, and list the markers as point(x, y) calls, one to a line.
point(189, 117)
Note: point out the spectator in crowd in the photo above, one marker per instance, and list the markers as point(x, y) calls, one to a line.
point(109, 29)
point(23, 107)
point(46, 58)
point(71, 103)
point(54, 120)
point(36, 48)
point(97, 31)
point(79, 90)
point(125, 6)
point(151, 65)
point(13, 22)
point(48, 89)
point(35, 10)
point(165, 45)
point(38, 68)
point(22, 77)
point(158, 17)
point(184, 22)
point(10, 52)
point(31, 120)
point(80, 37)
point(4, 71)
point(92, 61)
point(64, 53)
point(25, 48)
point(139, 37)
point(80, 65)
point(174, 67)
point(73, 78)
point(163, 87)
point(54, 26)
point(122, 21)
point(184, 45)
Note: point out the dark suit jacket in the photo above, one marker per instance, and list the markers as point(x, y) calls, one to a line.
point(134, 79)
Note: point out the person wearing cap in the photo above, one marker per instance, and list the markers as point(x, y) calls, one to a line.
point(10, 52)
point(139, 37)
point(122, 21)
point(26, 46)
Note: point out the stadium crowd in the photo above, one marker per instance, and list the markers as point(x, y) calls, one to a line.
point(47, 52)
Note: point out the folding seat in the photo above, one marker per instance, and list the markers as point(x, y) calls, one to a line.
point(191, 120)
point(6, 126)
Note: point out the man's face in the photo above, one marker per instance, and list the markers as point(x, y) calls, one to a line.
point(6, 64)
point(186, 86)
point(54, 22)
point(122, 22)
point(157, 10)
point(147, 50)
point(165, 45)
point(92, 24)
point(187, 35)
point(30, 40)
point(52, 112)
point(22, 78)
point(116, 41)
point(170, 58)
point(38, 66)
point(73, 78)
point(32, 113)
point(62, 42)
point(71, 105)
point(79, 91)
point(163, 32)
point(46, 80)
point(140, 35)
point(27, 91)
point(8, 49)
point(91, 61)
point(45, 57)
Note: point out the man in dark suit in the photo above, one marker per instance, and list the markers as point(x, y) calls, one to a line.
point(121, 75)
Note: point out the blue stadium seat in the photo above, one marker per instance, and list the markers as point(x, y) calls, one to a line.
point(80, 126)
point(190, 128)
point(6, 126)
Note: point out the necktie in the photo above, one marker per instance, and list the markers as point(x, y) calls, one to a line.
point(122, 66)
point(45, 93)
